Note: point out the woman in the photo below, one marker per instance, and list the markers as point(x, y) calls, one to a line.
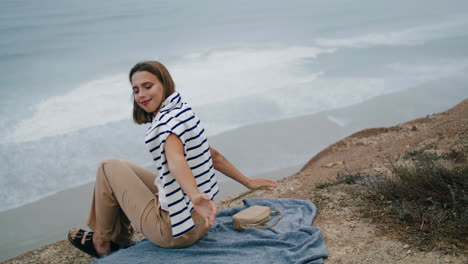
point(173, 207)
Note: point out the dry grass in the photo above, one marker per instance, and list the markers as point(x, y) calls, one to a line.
point(424, 197)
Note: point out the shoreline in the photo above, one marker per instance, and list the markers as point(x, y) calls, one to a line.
point(55, 215)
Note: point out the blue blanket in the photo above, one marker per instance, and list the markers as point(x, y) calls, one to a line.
point(292, 240)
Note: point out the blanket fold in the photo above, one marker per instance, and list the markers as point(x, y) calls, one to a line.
point(292, 240)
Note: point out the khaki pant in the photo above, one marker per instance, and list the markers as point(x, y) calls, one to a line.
point(125, 196)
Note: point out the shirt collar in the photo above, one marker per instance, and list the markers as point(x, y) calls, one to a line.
point(172, 101)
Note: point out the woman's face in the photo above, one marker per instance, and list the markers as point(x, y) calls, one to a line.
point(148, 91)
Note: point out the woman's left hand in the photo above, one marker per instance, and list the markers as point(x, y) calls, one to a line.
point(261, 183)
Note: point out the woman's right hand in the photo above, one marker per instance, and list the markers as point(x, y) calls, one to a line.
point(253, 184)
point(205, 207)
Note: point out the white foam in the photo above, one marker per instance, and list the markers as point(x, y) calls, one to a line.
point(327, 93)
point(216, 76)
point(94, 103)
point(409, 36)
point(403, 76)
point(338, 121)
point(275, 74)
point(316, 95)
point(204, 78)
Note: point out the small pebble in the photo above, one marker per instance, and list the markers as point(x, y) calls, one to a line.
point(409, 251)
point(406, 246)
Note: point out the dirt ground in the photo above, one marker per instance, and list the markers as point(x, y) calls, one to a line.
point(350, 237)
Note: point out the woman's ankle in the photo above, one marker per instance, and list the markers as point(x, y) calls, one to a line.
point(102, 246)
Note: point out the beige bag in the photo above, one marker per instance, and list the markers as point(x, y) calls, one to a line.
point(254, 217)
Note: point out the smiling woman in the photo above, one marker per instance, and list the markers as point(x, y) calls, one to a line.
point(151, 82)
point(147, 90)
point(173, 207)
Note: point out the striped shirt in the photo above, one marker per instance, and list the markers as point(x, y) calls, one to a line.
point(176, 117)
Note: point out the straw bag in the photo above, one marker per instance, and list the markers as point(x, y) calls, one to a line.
point(254, 217)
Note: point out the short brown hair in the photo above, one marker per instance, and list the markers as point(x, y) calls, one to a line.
point(140, 116)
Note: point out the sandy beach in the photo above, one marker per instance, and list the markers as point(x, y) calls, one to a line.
point(293, 141)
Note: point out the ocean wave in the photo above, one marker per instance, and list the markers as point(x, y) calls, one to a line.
point(94, 103)
point(204, 78)
point(409, 36)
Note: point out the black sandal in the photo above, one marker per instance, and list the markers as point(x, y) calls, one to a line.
point(88, 246)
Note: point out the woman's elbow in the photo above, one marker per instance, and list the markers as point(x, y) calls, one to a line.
point(217, 158)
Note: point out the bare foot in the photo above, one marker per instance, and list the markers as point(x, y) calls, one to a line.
point(102, 247)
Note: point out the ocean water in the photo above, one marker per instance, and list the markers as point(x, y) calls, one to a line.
point(65, 99)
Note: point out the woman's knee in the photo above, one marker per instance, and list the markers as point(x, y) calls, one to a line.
point(106, 163)
point(109, 162)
